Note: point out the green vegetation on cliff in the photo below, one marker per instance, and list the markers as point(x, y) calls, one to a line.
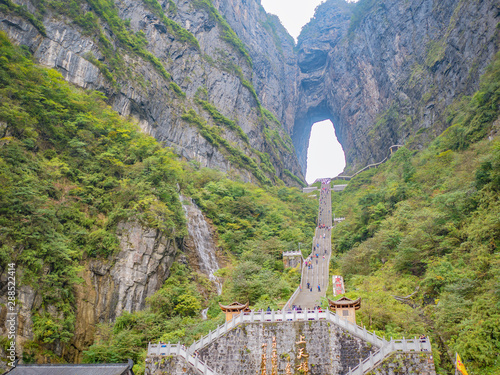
point(71, 170)
point(103, 14)
point(8, 6)
point(426, 225)
point(228, 33)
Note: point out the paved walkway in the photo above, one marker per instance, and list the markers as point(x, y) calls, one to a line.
point(317, 273)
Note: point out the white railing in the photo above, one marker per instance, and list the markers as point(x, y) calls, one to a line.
point(180, 350)
point(292, 253)
point(294, 315)
point(338, 187)
point(383, 346)
point(288, 304)
point(370, 165)
point(393, 346)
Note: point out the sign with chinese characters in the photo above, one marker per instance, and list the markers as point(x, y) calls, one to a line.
point(274, 359)
point(302, 367)
point(263, 362)
point(338, 285)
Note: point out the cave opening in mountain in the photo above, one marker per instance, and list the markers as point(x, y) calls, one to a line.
point(325, 156)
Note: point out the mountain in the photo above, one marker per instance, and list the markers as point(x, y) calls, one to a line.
point(385, 72)
point(90, 210)
point(159, 62)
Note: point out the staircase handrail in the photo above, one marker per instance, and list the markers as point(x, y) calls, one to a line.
point(179, 350)
point(288, 303)
point(393, 346)
point(345, 178)
point(280, 315)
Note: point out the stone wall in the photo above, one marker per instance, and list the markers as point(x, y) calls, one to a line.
point(171, 365)
point(406, 364)
point(330, 349)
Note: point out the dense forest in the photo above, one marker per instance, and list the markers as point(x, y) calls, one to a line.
point(424, 227)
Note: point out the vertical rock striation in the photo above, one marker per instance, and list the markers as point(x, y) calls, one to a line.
point(238, 78)
point(384, 71)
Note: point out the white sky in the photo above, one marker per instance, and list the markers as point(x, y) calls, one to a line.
point(325, 157)
point(293, 13)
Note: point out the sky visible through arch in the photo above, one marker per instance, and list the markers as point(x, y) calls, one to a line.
point(325, 157)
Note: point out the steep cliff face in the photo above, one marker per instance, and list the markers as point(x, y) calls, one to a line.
point(121, 284)
point(108, 288)
point(384, 71)
point(156, 71)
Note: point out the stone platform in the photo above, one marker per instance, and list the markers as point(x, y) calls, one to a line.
point(275, 340)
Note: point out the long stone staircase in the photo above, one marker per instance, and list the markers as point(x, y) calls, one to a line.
point(316, 275)
point(307, 298)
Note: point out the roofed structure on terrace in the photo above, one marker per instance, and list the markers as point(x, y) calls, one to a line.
point(345, 308)
point(234, 309)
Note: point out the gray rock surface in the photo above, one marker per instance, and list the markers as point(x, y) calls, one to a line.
point(145, 94)
point(109, 288)
point(386, 77)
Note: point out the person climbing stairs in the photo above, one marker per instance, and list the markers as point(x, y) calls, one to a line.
point(315, 276)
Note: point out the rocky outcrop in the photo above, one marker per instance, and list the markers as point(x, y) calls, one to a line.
point(217, 65)
point(108, 288)
point(384, 71)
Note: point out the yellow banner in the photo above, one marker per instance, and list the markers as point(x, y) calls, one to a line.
point(460, 366)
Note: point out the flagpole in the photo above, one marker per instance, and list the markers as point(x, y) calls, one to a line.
point(456, 362)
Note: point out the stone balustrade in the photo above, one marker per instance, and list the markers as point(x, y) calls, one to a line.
point(279, 316)
point(180, 350)
point(403, 345)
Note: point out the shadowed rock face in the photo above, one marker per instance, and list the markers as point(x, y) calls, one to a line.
point(385, 77)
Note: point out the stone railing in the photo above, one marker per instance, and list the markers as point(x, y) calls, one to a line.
point(288, 304)
point(393, 346)
point(280, 316)
point(384, 347)
point(178, 349)
point(338, 187)
point(396, 147)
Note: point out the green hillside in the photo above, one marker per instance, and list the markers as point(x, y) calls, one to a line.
point(71, 169)
point(427, 225)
